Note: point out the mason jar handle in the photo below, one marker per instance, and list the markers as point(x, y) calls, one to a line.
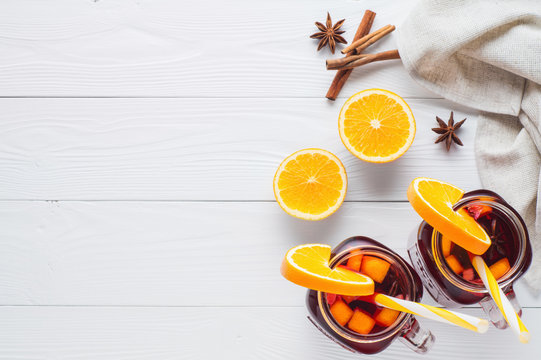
point(417, 338)
point(493, 312)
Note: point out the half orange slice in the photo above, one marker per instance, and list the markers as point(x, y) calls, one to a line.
point(310, 184)
point(376, 125)
point(308, 266)
point(433, 200)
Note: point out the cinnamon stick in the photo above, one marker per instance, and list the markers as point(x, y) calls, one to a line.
point(341, 76)
point(350, 62)
point(354, 44)
point(366, 41)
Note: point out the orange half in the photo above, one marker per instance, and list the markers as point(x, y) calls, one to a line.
point(308, 266)
point(376, 125)
point(433, 200)
point(310, 184)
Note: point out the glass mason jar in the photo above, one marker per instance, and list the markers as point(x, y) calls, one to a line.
point(452, 290)
point(405, 327)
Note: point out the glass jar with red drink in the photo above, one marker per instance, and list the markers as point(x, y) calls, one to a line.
point(446, 269)
point(361, 326)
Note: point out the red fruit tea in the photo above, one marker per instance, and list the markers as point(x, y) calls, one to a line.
point(361, 326)
point(502, 254)
point(445, 268)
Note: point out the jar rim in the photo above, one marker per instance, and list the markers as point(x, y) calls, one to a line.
point(513, 273)
point(399, 323)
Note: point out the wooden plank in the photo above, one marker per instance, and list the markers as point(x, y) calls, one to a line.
point(189, 48)
point(206, 333)
point(200, 149)
point(169, 253)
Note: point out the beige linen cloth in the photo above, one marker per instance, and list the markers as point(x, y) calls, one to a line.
point(486, 54)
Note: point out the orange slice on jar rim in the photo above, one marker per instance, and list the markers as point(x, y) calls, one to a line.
point(308, 266)
point(433, 200)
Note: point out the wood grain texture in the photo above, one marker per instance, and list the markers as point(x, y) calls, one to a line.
point(169, 253)
point(199, 149)
point(189, 48)
point(195, 278)
point(40, 333)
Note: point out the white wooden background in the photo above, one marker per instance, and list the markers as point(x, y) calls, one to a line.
point(138, 141)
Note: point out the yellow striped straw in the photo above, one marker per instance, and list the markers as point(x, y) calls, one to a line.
point(431, 312)
point(500, 299)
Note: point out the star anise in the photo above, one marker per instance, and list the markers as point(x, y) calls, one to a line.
point(498, 241)
point(447, 131)
point(329, 34)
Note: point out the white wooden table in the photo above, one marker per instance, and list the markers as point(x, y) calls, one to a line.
point(138, 141)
